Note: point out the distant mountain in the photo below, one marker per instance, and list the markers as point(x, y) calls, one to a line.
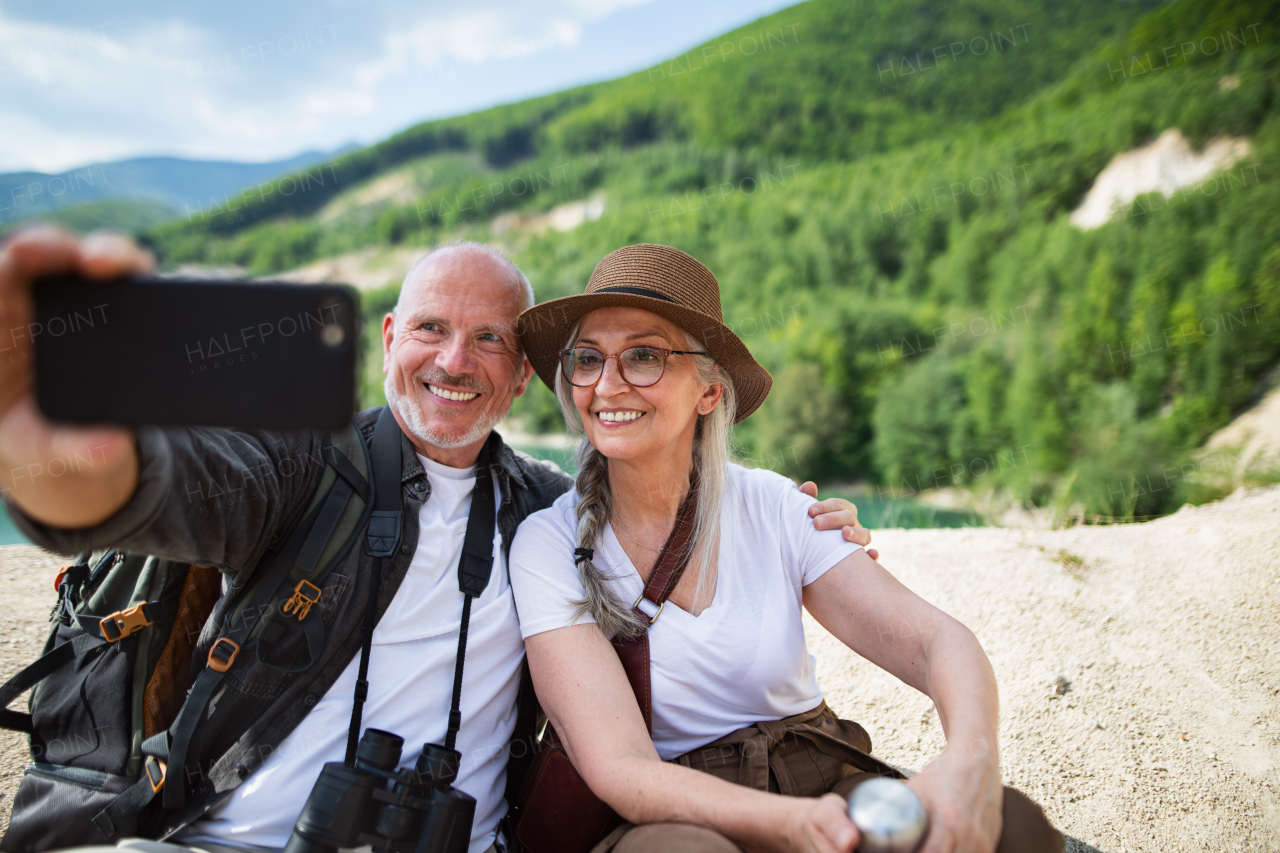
point(151, 189)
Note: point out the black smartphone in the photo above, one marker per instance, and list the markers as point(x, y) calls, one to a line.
point(186, 352)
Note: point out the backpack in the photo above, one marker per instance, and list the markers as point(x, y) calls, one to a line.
point(116, 693)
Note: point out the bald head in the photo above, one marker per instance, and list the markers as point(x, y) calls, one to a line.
point(451, 351)
point(464, 259)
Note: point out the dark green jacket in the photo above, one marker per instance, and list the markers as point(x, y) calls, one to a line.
point(222, 498)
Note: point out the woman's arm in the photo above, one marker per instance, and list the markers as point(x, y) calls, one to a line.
point(584, 690)
point(879, 618)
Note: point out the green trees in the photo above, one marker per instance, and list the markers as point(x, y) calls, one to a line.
point(897, 253)
point(919, 427)
point(805, 425)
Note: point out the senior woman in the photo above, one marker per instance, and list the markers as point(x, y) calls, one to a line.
point(708, 670)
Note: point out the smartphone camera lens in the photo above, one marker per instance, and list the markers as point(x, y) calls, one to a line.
point(332, 335)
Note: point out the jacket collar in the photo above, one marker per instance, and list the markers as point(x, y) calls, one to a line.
point(505, 464)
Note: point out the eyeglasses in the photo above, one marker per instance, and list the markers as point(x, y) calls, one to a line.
point(640, 366)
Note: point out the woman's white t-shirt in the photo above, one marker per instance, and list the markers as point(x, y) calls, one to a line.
point(744, 658)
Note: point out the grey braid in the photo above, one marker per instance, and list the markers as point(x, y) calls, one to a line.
point(612, 614)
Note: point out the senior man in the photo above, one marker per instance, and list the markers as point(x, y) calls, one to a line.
point(453, 365)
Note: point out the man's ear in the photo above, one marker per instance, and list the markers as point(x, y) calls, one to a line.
point(526, 373)
point(388, 335)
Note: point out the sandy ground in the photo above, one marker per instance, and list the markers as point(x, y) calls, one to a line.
point(1166, 638)
point(1139, 669)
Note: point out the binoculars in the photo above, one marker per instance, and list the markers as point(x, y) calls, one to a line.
point(889, 816)
point(410, 810)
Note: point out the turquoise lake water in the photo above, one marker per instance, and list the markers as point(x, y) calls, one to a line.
point(873, 510)
point(9, 534)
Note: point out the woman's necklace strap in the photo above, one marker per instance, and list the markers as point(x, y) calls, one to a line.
point(633, 539)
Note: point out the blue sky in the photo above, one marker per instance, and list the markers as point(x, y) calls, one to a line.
point(254, 81)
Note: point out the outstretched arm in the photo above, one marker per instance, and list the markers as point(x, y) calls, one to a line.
point(585, 693)
point(208, 496)
point(879, 618)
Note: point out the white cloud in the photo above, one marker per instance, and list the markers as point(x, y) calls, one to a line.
point(502, 30)
point(444, 40)
point(74, 95)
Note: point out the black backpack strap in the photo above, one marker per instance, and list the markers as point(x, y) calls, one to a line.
point(117, 626)
point(325, 523)
point(297, 592)
point(346, 470)
point(70, 583)
point(222, 655)
point(381, 540)
point(38, 671)
point(173, 748)
point(77, 582)
point(134, 799)
point(300, 589)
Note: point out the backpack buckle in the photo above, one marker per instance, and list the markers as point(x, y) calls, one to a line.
point(156, 771)
point(302, 599)
point(75, 574)
point(124, 623)
point(220, 657)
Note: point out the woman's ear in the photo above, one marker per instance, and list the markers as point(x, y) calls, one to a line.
point(710, 398)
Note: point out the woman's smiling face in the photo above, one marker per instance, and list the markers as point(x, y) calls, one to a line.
point(626, 422)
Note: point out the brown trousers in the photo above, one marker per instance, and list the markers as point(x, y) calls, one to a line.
point(807, 755)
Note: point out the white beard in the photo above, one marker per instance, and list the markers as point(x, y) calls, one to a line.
point(411, 412)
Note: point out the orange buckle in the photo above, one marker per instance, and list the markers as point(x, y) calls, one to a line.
point(222, 660)
point(302, 599)
point(57, 581)
point(156, 776)
point(124, 623)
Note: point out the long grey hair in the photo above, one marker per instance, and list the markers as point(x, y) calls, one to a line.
point(712, 452)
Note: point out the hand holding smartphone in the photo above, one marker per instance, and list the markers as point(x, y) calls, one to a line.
point(176, 352)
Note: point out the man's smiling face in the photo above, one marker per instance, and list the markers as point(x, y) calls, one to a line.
point(451, 356)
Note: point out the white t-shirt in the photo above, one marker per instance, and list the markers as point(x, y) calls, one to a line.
point(744, 658)
point(411, 668)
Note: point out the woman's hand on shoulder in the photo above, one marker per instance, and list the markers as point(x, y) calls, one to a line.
point(821, 825)
point(964, 799)
point(838, 513)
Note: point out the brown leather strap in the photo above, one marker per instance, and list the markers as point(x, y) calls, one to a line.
point(634, 653)
point(675, 557)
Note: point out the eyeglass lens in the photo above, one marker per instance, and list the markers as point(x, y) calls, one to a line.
point(640, 366)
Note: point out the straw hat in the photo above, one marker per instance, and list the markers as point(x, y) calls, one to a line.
point(666, 282)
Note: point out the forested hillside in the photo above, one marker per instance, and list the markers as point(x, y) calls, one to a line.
point(884, 192)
